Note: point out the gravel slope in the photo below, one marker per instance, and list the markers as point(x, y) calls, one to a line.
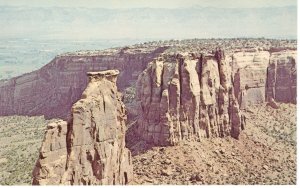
point(264, 154)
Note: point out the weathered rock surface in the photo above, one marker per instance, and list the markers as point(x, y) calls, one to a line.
point(90, 148)
point(273, 104)
point(282, 77)
point(250, 76)
point(53, 89)
point(261, 75)
point(187, 98)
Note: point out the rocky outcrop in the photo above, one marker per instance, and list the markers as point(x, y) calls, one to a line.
point(282, 77)
point(261, 75)
point(187, 97)
point(90, 148)
point(250, 74)
point(272, 103)
point(51, 90)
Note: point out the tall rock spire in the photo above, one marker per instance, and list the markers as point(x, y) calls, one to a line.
point(90, 148)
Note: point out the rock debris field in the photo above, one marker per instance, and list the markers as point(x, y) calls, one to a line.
point(264, 154)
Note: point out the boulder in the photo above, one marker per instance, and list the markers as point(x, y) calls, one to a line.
point(272, 103)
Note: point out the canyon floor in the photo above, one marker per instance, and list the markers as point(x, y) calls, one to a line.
point(20, 140)
point(264, 154)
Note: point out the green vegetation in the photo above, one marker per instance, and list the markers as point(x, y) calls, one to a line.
point(129, 94)
point(20, 140)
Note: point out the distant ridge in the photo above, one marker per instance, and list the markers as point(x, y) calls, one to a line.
point(196, 22)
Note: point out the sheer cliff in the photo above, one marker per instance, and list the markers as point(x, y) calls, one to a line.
point(262, 76)
point(187, 97)
point(89, 149)
point(52, 90)
point(260, 69)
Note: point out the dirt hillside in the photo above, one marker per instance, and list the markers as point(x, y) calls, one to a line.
point(264, 154)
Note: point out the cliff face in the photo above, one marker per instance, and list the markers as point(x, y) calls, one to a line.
point(282, 77)
point(187, 98)
point(90, 148)
point(250, 76)
point(261, 75)
point(52, 90)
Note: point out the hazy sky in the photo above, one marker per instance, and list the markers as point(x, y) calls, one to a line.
point(150, 3)
point(228, 19)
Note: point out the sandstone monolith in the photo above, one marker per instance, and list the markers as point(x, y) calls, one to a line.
point(89, 149)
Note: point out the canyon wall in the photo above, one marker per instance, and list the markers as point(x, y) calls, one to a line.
point(52, 90)
point(89, 149)
point(185, 97)
point(282, 77)
point(250, 74)
point(260, 76)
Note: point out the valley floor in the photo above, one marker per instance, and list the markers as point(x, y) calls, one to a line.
point(20, 140)
point(264, 154)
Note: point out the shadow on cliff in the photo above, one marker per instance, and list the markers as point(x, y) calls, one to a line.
point(133, 142)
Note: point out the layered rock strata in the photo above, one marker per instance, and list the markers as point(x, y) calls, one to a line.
point(250, 74)
point(90, 148)
point(187, 97)
point(282, 77)
point(52, 90)
point(260, 76)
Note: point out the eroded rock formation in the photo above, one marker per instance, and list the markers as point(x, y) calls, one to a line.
point(52, 90)
point(90, 148)
point(187, 97)
point(250, 76)
point(282, 77)
point(261, 75)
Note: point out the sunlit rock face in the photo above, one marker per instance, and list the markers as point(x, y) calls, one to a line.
point(260, 76)
point(52, 90)
point(250, 74)
point(89, 149)
point(187, 97)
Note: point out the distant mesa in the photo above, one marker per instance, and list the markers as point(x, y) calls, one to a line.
point(51, 90)
point(263, 65)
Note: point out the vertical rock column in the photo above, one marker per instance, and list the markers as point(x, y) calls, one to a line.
point(282, 77)
point(187, 98)
point(90, 148)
